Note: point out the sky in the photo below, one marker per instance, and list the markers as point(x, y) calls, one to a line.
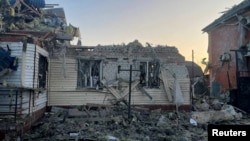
point(177, 23)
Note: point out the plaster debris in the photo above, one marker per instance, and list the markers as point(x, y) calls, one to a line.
point(145, 124)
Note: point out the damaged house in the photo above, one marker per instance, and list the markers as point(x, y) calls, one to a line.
point(39, 68)
point(101, 75)
point(29, 33)
point(229, 54)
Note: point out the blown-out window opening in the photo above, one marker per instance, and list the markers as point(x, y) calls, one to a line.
point(89, 73)
point(149, 74)
point(42, 72)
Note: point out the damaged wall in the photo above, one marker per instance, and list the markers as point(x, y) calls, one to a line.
point(28, 62)
point(24, 81)
point(62, 75)
point(229, 55)
point(228, 33)
point(63, 88)
point(112, 86)
point(33, 31)
point(221, 41)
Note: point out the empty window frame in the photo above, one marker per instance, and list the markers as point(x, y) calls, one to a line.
point(42, 72)
point(88, 73)
point(149, 74)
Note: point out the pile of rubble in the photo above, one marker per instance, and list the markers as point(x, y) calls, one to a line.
point(144, 125)
point(37, 20)
point(112, 123)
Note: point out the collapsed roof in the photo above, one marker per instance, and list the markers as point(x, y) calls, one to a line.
point(131, 51)
point(234, 12)
point(35, 19)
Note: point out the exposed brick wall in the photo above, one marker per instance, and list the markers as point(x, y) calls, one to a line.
point(163, 53)
point(221, 40)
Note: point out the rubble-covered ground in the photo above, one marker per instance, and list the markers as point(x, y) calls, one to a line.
point(146, 125)
point(112, 124)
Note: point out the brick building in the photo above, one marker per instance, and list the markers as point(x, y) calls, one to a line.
point(228, 51)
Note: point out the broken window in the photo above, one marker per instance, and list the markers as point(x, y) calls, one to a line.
point(88, 73)
point(149, 74)
point(143, 73)
point(42, 72)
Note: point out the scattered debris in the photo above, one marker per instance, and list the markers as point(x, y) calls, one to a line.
point(95, 122)
point(211, 116)
point(145, 125)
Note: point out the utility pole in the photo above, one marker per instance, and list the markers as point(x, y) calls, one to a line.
point(130, 81)
point(192, 63)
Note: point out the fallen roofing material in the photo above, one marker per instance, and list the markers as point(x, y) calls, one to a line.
point(28, 35)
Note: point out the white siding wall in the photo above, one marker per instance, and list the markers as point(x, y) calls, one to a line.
point(36, 102)
point(159, 97)
point(26, 67)
point(27, 101)
point(29, 69)
point(63, 83)
point(30, 76)
point(62, 75)
point(25, 64)
point(39, 101)
point(8, 98)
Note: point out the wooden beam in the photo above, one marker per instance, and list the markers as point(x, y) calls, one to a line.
point(166, 84)
point(111, 89)
point(146, 93)
point(30, 8)
point(126, 91)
